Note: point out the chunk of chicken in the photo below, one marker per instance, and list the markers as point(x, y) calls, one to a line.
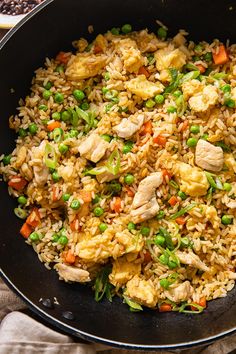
point(208, 156)
point(130, 55)
point(66, 172)
point(40, 170)
point(143, 88)
point(179, 40)
point(211, 214)
point(71, 273)
point(41, 174)
point(123, 271)
point(193, 181)
point(179, 292)
point(191, 88)
point(141, 291)
point(169, 58)
point(144, 204)
point(204, 100)
point(129, 126)
point(93, 147)
point(106, 177)
point(21, 157)
point(82, 66)
point(191, 259)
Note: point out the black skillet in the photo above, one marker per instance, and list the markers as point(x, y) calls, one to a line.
point(50, 28)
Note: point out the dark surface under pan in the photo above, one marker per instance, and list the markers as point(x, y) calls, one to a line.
point(44, 33)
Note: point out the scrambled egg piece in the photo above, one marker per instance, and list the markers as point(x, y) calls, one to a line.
point(230, 162)
point(141, 291)
point(208, 212)
point(193, 181)
point(143, 88)
point(169, 58)
point(123, 271)
point(208, 156)
point(147, 42)
point(85, 65)
point(101, 42)
point(204, 100)
point(191, 88)
point(130, 54)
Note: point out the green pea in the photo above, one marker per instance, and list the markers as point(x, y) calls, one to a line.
point(22, 200)
point(150, 58)
point(114, 187)
point(109, 106)
point(198, 48)
point(162, 33)
point(48, 85)
point(106, 137)
point(159, 99)
point(127, 147)
point(182, 195)
point(107, 76)
point(164, 283)
point(63, 149)
point(65, 116)
point(43, 107)
point(195, 129)
point(150, 103)
point(229, 103)
point(145, 231)
point(55, 237)
point(164, 258)
point(63, 240)
point(160, 215)
point(196, 58)
point(96, 199)
point(22, 132)
point(55, 176)
point(105, 90)
point(58, 97)
point(227, 219)
point(129, 179)
point(6, 160)
point(192, 142)
point(66, 197)
point(172, 264)
point(34, 236)
point(115, 31)
point(127, 28)
point(171, 109)
point(159, 240)
point(103, 227)
point(47, 94)
point(78, 95)
point(60, 69)
point(227, 187)
point(73, 133)
point(226, 88)
point(177, 94)
point(204, 136)
point(75, 204)
point(185, 242)
point(131, 226)
point(56, 116)
point(98, 211)
point(208, 56)
point(33, 128)
point(85, 106)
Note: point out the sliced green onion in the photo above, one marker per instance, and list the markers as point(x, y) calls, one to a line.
point(134, 306)
point(173, 184)
point(220, 76)
point(223, 146)
point(50, 158)
point(74, 118)
point(20, 213)
point(113, 163)
point(190, 76)
point(57, 134)
point(182, 211)
point(96, 171)
point(168, 239)
point(102, 285)
point(183, 307)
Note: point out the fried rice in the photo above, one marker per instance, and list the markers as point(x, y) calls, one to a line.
point(124, 168)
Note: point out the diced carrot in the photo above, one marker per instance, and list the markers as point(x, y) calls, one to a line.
point(201, 68)
point(180, 220)
point(144, 71)
point(221, 56)
point(165, 308)
point(55, 193)
point(74, 225)
point(129, 192)
point(160, 140)
point(165, 174)
point(97, 49)
point(17, 182)
point(69, 257)
point(184, 126)
point(86, 196)
point(116, 206)
point(146, 128)
point(202, 302)
point(34, 218)
point(147, 257)
point(25, 230)
point(63, 57)
point(53, 125)
point(173, 200)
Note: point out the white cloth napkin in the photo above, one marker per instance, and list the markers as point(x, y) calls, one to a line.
point(21, 334)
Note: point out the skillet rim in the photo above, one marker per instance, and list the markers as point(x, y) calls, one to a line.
point(62, 325)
